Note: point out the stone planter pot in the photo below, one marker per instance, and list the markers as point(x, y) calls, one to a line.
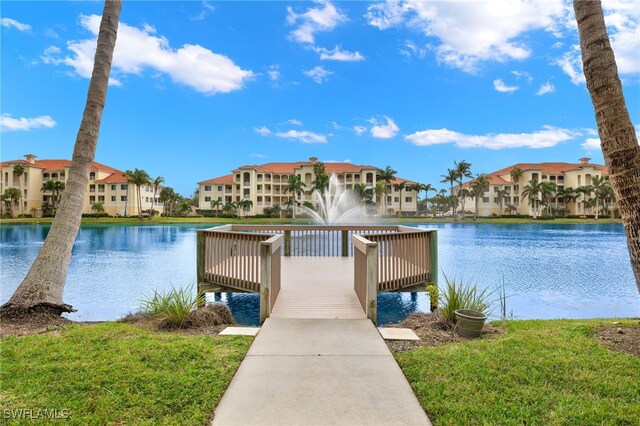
point(469, 323)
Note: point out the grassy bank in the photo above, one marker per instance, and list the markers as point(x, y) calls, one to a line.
point(117, 374)
point(214, 221)
point(537, 372)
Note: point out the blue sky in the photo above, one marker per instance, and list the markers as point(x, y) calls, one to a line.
point(199, 88)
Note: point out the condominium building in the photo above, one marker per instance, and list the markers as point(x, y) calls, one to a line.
point(107, 186)
point(264, 185)
point(564, 175)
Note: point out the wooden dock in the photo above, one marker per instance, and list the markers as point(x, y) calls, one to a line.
point(317, 287)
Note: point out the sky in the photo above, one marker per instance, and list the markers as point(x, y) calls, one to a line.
point(199, 88)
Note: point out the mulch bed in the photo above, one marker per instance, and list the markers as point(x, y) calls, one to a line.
point(432, 331)
point(33, 324)
point(621, 339)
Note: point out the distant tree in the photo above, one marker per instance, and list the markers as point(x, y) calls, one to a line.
point(400, 187)
point(55, 187)
point(532, 192)
point(478, 186)
point(426, 187)
point(585, 191)
point(168, 197)
point(296, 186)
point(363, 192)
point(321, 184)
point(139, 178)
point(230, 207)
point(547, 194)
point(98, 209)
point(387, 176)
point(516, 174)
point(43, 287)
point(600, 185)
point(462, 170)
point(380, 190)
point(216, 204)
point(501, 195)
point(156, 184)
point(568, 195)
point(12, 195)
point(451, 177)
point(19, 170)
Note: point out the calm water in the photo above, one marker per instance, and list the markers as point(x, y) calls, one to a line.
point(550, 271)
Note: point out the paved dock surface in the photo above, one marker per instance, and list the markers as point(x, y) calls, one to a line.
point(319, 372)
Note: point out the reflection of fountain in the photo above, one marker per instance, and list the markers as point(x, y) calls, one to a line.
point(337, 205)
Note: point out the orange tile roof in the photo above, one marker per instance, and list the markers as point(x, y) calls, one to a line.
point(56, 165)
point(221, 179)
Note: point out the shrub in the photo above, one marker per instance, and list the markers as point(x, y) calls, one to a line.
point(458, 295)
point(432, 290)
point(175, 306)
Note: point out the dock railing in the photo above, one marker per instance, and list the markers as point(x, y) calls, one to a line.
point(269, 274)
point(365, 275)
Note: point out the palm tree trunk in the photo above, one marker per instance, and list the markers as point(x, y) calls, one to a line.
point(617, 134)
point(42, 288)
point(139, 202)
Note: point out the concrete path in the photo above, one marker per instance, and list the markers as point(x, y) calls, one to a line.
point(319, 372)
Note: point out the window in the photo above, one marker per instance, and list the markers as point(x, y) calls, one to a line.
point(92, 188)
point(237, 178)
point(220, 188)
point(123, 198)
point(146, 199)
point(219, 198)
point(92, 199)
point(100, 188)
point(101, 198)
point(207, 199)
point(207, 187)
point(259, 187)
point(113, 198)
point(408, 199)
point(496, 189)
point(485, 199)
point(92, 176)
point(396, 199)
point(123, 187)
point(113, 188)
point(388, 199)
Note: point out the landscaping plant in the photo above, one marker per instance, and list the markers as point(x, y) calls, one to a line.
point(457, 295)
point(174, 306)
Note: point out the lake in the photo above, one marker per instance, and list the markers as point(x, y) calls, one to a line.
point(549, 271)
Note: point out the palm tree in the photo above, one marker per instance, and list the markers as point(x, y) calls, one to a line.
point(387, 175)
point(230, 207)
point(585, 191)
point(43, 287)
point(215, 204)
point(156, 184)
point(321, 184)
point(12, 195)
point(599, 185)
point(617, 134)
point(516, 174)
point(568, 195)
point(289, 205)
point(19, 170)
point(451, 177)
point(168, 197)
point(478, 187)
point(245, 205)
point(363, 192)
point(532, 191)
point(296, 186)
point(501, 195)
point(55, 187)
point(400, 187)
point(547, 194)
point(607, 197)
point(380, 190)
point(463, 170)
point(98, 208)
point(139, 178)
point(426, 187)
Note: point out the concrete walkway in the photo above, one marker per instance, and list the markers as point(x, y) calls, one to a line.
point(319, 372)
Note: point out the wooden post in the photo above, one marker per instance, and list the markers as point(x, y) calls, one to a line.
point(287, 243)
point(265, 282)
point(372, 283)
point(200, 262)
point(345, 243)
point(433, 254)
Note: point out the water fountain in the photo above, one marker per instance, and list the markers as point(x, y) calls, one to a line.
point(337, 206)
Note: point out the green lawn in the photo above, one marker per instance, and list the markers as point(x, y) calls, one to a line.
point(214, 220)
point(538, 372)
point(113, 373)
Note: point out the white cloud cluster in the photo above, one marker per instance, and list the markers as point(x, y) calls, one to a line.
point(12, 23)
point(383, 130)
point(410, 49)
point(545, 88)
point(360, 130)
point(547, 137)
point(593, 144)
point(337, 54)
point(294, 122)
point(273, 72)
point(500, 86)
point(263, 131)
point(11, 124)
point(302, 136)
point(319, 74)
point(325, 17)
point(470, 32)
point(139, 48)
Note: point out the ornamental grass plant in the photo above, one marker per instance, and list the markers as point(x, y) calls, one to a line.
point(457, 295)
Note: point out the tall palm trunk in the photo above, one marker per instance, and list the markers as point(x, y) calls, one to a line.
point(617, 134)
point(43, 287)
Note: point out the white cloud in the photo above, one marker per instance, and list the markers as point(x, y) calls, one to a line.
point(318, 74)
point(503, 88)
point(591, 144)
point(337, 54)
point(471, 32)
point(303, 136)
point(383, 131)
point(12, 23)
point(325, 17)
point(411, 49)
point(259, 155)
point(294, 122)
point(571, 65)
point(207, 8)
point(523, 75)
point(547, 137)
point(545, 88)
point(139, 48)
point(263, 131)
point(360, 130)
point(10, 124)
point(273, 72)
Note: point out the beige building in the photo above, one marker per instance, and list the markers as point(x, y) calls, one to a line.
point(564, 175)
point(107, 186)
point(264, 185)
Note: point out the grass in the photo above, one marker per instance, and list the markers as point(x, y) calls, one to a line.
point(214, 220)
point(112, 373)
point(537, 372)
